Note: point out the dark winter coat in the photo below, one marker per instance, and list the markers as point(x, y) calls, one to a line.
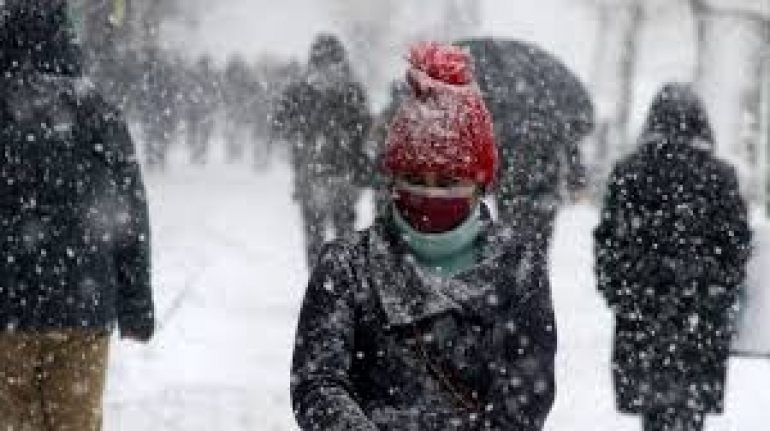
point(489, 331)
point(671, 250)
point(74, 234)
point(39, 35)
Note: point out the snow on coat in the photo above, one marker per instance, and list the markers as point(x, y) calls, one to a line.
point(74, 230)
point(490, 330)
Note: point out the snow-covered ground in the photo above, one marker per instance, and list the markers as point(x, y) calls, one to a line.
point(229, 277)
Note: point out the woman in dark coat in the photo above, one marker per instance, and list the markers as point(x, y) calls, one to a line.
point(671, 251)
point(434, 318)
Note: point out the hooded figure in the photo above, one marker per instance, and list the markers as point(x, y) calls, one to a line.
point(325, 117)
point(434, 318)
point(74, 237)
point(671, 251)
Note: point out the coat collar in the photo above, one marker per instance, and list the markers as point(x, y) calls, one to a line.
point(409, 294)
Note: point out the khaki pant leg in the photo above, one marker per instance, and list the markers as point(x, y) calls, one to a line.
point(20, 396)
point(73, 377)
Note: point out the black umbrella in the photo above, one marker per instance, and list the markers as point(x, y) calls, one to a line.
point(541, 111)
point(526, 86)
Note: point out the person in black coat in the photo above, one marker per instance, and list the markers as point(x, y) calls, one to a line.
point(325, 117)
point(671, 251)
point(74, 233)
point(435, 318)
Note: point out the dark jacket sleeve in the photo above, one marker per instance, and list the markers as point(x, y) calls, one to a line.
point(523, 385)
point(321, 389)
point(135, 307)
point(609, 243)
point(732, 240)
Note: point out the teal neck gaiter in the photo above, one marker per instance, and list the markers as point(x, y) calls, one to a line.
point(446, 253)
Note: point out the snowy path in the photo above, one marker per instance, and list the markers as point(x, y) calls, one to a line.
point(229, 277)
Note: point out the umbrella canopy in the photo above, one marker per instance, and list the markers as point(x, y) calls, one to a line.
point(526, 87)
point(541, 112)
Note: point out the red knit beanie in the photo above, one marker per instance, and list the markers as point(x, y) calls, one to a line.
point(444, 127)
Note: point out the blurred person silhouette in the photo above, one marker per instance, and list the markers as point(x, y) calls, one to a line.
point(74, 232)
point(160, 101)
point(202, 104)
point(325, 117)
point(241, 94)
point(671, 252)
point(259, 108)
point(434, 318)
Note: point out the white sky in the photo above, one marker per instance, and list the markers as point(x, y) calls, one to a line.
point(565, 27)
point(283, 27)
point(287, 26)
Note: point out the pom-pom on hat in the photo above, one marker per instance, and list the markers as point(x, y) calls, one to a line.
point(444, 127)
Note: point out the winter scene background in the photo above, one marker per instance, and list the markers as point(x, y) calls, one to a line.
point(228, 256)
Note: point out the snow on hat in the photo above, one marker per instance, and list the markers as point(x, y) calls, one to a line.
point(444, 127)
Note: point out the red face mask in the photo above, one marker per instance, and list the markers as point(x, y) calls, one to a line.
point(433, 209)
